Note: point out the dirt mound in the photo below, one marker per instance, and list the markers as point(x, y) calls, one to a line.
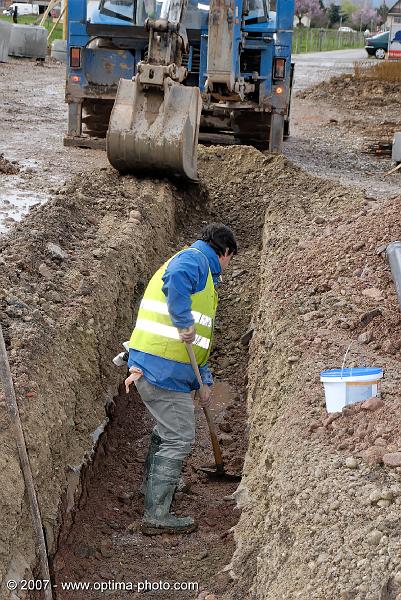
point(7, 167)
point(319, 520)
point(310, 277)
point(351, 92)
point(69, 275)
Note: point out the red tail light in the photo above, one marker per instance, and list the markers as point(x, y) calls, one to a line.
point(279, 68)
point(75, 58)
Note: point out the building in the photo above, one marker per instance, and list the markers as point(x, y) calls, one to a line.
point(42, 3)
point(394, 22)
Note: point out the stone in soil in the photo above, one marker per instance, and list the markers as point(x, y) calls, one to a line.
point(392, 459)
point(7, 167)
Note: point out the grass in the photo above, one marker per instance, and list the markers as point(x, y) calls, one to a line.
point(321, 40)
point(384, 70)
point(35, 20)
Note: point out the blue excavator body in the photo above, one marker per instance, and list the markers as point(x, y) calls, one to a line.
point(237, 52)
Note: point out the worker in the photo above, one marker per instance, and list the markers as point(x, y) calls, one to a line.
point(178, 307)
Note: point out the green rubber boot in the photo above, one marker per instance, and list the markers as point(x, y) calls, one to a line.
point(154, 445)
point(163, 477)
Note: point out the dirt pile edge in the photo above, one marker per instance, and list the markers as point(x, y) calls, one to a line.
point(70, 275)
point(320, 511)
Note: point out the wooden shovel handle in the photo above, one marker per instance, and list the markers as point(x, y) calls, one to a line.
point(212, 430)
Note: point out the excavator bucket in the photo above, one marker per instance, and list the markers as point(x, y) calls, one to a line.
point(155, 128)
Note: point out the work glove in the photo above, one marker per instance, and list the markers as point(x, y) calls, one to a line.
point(204, 396)
point(188, 334)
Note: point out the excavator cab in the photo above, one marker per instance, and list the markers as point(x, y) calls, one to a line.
point(154, 124)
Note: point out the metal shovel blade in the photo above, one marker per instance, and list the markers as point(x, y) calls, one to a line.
point(155, 128)
point(219, 472)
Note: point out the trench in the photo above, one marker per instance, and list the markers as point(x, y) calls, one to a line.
point(307, 519)
point(98, 539)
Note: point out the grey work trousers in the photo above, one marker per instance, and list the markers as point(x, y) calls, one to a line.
point(175, 418)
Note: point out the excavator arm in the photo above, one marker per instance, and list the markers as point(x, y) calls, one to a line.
point(154, 123)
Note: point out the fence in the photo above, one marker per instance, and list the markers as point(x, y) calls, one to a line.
point(318, 40)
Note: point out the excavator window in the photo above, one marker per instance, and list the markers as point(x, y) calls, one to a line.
point(134, 11)
point(146, 9)
point(196, 15)
point(119, 9)
point(257, 11)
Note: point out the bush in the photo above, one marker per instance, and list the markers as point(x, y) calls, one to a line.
point(387, 70)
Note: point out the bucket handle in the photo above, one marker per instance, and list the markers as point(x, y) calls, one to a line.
point(345, 358)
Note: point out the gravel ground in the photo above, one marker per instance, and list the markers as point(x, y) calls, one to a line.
point(331, 125)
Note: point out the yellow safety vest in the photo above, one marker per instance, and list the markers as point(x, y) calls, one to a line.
point(154, 331)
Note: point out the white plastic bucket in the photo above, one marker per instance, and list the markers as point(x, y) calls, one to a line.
point(343, 387)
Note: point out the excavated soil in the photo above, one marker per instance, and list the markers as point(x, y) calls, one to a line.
point(374, 104)
point(320, 512)
point(355, 92)
point(310, 278)
point(334, 126)
point(7, 167)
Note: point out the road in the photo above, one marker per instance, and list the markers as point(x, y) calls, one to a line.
point(313, 67)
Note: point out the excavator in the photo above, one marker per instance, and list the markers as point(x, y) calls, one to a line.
point(153, 78)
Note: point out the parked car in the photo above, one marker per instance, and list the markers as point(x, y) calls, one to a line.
point(346, 29)
point(377, 45)
point(22, 8)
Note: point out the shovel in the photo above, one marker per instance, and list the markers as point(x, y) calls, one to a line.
point(219, 472)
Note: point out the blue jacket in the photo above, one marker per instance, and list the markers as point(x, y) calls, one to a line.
point(185, 275)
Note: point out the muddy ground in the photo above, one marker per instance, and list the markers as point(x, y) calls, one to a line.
point(320, 509)
point(33, 123)
point(333, 124)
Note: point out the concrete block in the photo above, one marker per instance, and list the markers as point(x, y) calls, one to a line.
point(396, 152)
point(29, 41)
point(5, 34)
point(59, 50)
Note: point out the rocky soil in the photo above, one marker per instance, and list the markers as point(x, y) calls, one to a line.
point(319, 503)
point(374, 105)
point(70, 275)
point(320, 510)
point(335, 122)
point(355, 92)
point(7, 167)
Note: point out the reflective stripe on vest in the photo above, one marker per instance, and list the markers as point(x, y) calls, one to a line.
point(154, 331)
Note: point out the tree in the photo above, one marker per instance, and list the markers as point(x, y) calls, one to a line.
point(333, 14)
point(347, 9)
point(382, 13)
point(306, 8)
point(364, 17)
